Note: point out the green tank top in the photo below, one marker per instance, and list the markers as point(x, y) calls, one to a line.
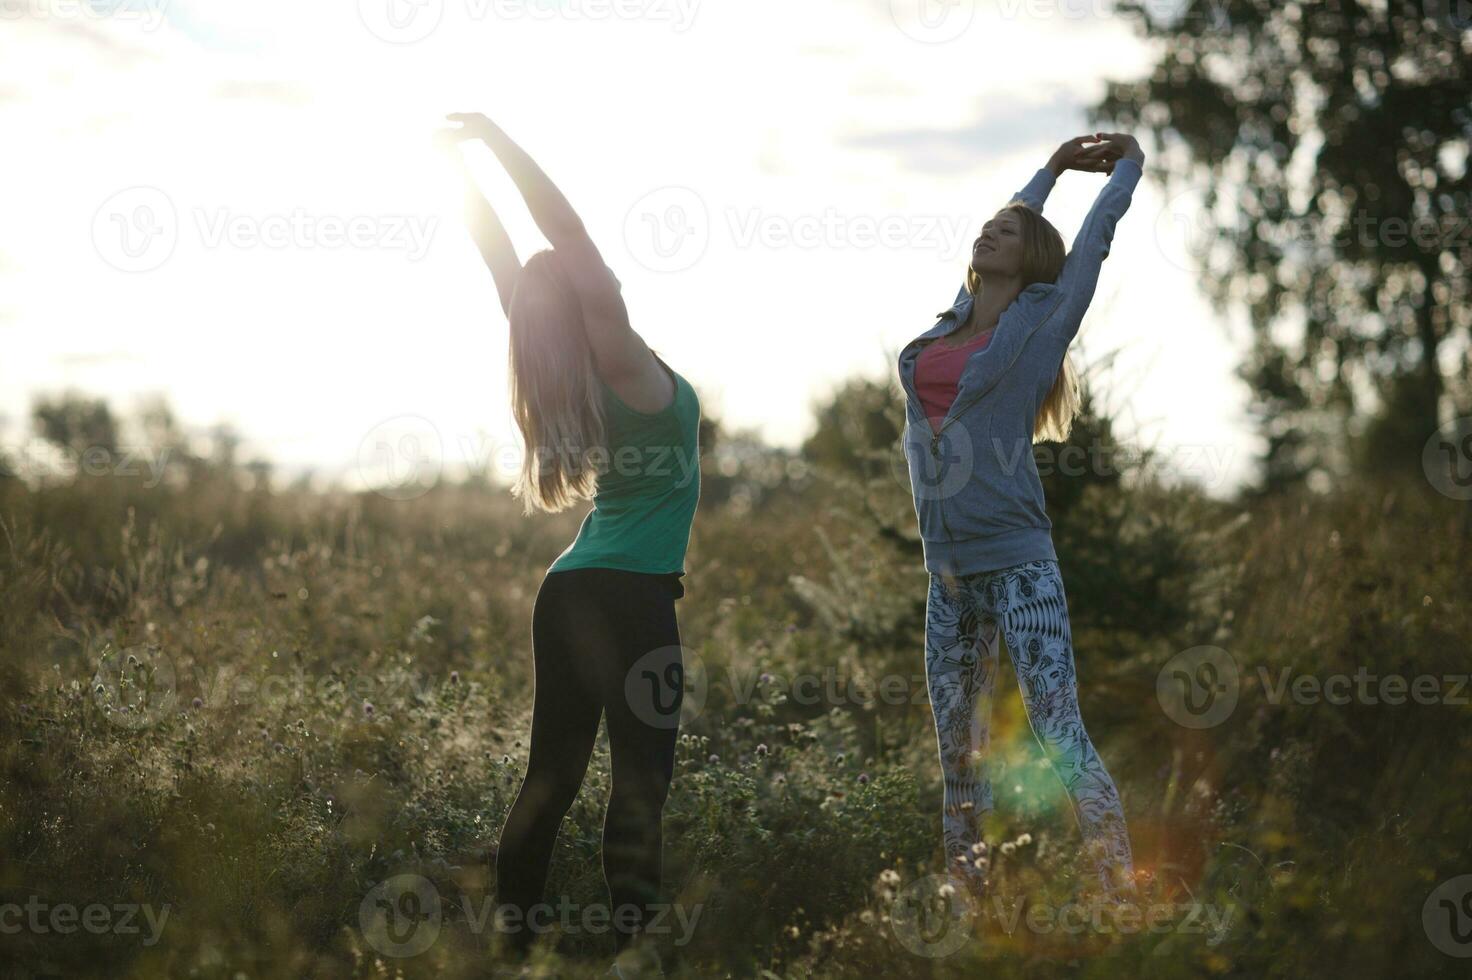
point(648, 486)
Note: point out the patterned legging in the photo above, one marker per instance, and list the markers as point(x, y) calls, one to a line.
point(964, 617)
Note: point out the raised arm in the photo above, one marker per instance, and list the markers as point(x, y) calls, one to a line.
point(617, 349)
point(1087, 154)
point(490, 238)
point(1080, 273)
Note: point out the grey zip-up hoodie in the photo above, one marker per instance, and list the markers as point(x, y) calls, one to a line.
point(977, 493)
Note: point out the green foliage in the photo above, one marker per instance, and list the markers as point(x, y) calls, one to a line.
point(352, 693)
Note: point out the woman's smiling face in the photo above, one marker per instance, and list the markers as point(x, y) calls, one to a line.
point(998, 249)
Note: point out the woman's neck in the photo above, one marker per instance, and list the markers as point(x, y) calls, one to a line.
point(991, 299)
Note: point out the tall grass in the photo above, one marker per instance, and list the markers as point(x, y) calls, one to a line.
point(341, 692)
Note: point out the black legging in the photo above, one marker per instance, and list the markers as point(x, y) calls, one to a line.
point(604, 640)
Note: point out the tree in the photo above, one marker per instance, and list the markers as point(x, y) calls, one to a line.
point(1330, 143)
point(76, 424)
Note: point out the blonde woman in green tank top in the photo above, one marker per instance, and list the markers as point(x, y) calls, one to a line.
point(603, 419)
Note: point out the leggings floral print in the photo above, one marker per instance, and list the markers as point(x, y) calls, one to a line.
point(964, 618)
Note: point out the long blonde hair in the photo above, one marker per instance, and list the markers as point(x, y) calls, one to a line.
point(1042, 261)
point(554, 390)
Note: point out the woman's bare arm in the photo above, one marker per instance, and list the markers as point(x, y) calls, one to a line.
point(618, 350)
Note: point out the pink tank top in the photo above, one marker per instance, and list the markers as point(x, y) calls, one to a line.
point(938, 371)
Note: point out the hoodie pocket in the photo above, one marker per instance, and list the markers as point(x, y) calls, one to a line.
point(1004, 493)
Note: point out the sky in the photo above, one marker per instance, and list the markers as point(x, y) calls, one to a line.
point(239, 207)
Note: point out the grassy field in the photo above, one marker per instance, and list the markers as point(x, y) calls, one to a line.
point(330, 691)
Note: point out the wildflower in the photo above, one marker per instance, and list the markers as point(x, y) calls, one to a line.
point(1024, 840)
point(1008, 847)
point(979, 847)
point(946, 891)
point(765, 678)
point(713, 759)
point(761, 749)
point(197, 703)
point(780, 779)
point(838, 759)
point(454, 677)
point(505, 760)
point(368, 708)
point(889, 877)
point(863, 779)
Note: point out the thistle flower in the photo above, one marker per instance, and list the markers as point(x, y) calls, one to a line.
point(762, 749)
point(863, 779)
point(368, 708)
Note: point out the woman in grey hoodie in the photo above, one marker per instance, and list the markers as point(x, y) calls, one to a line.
point(982, 385)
